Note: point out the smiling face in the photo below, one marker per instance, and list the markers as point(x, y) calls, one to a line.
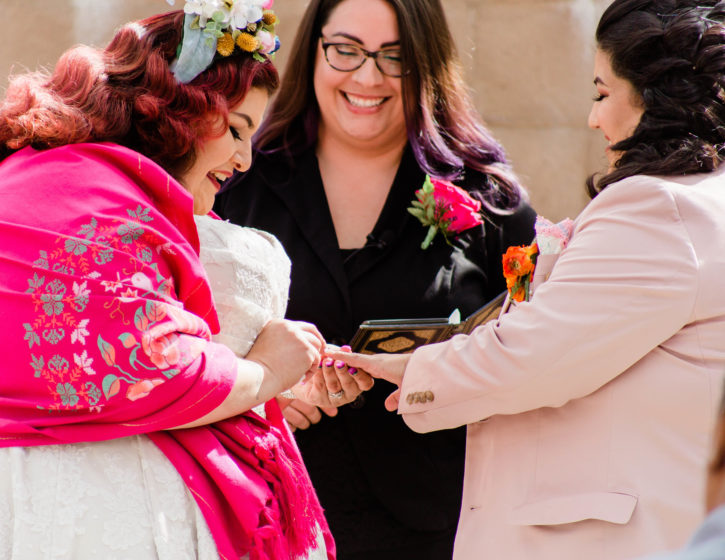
point(617, 107)
point(363, 108)
point(218, 157)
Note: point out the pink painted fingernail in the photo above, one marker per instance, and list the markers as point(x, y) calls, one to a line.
point(352, 371)
point(329, 362)
point(339, 364)
point(346, 348)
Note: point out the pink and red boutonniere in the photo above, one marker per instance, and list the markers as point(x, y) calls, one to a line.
point(444, 207)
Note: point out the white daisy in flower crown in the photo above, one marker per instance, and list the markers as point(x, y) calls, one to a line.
point(238, 14)
point(221, 26)
point(245, 13)
point(204, 9)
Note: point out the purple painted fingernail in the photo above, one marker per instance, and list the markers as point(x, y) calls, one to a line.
point(339, 364)
point(352, 371)
point(346, 348)
point(329, 362)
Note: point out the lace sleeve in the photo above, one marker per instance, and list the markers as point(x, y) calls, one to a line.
point(249, 273)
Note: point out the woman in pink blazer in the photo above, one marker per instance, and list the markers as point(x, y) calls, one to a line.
point(590, 408)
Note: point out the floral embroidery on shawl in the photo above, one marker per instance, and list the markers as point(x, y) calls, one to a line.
point(60, 315)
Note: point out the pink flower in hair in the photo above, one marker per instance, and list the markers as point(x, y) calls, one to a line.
point(267, 42)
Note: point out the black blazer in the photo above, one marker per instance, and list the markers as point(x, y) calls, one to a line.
point(417, 478)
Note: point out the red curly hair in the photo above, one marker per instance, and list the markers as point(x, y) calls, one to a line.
point(127, 94)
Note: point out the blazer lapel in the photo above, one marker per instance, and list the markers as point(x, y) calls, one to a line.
point(301, 190)
point(393, 219)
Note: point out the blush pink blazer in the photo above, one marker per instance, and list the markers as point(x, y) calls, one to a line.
point(590, 409)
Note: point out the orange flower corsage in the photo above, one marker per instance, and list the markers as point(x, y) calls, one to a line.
point(519, 262)
point(518, 269)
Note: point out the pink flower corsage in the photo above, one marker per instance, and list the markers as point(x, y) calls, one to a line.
point(444, 207)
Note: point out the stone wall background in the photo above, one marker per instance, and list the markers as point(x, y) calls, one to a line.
point(528, 64)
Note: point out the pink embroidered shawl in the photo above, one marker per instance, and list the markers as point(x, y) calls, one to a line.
point(107, 316)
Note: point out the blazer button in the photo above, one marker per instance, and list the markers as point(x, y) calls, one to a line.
point(429, 396)
point(410, 399)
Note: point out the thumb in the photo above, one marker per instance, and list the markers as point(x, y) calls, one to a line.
point(393, 400)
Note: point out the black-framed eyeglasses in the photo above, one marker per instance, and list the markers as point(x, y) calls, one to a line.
point(346, 57)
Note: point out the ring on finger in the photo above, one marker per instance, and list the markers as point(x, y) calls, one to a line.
point(338, 395)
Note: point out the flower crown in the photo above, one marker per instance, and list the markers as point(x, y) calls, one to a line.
point(221, 26)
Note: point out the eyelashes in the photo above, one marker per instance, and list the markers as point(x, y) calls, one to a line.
point(235, 133)
point(598, 97)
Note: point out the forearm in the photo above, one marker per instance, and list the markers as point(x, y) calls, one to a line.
point(254, 385)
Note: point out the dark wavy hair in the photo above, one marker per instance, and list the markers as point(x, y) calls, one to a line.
point(673, 54)
point(445, 131)
point(127, 94)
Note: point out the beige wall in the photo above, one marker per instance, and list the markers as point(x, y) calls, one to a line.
point(528, 63)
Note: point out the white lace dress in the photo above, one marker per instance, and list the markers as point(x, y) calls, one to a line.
point(122, 499)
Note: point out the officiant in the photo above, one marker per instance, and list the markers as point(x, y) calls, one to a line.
point(372, 100)
point(590, 407)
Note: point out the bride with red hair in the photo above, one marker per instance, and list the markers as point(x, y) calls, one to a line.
point(129, 425)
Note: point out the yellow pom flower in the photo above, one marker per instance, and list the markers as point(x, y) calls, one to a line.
point(269, 17)
point(247, 42)
point(225, 44)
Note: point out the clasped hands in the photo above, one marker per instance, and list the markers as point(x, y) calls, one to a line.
point(333, 384)
point(300, 414)
point(333, 376)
